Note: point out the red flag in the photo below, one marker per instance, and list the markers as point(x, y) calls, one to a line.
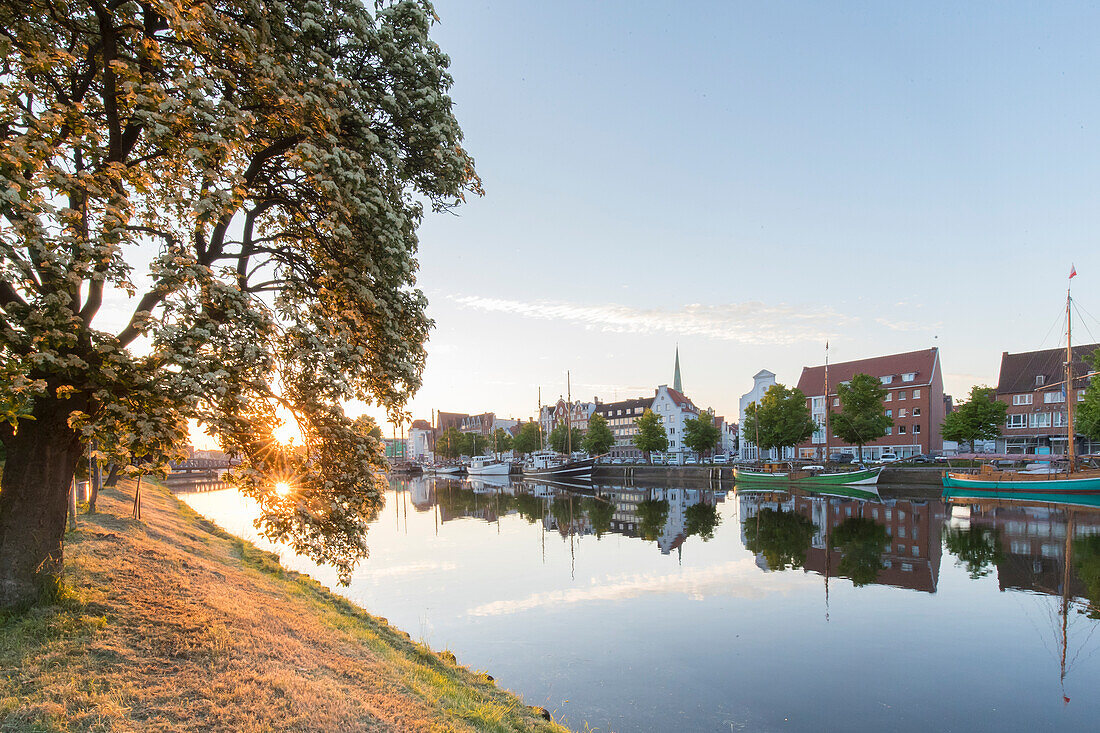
point(1072, 272)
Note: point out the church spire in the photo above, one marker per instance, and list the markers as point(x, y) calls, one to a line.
point(676, 385)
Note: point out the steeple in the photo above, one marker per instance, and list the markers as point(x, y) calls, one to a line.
point(676, 385)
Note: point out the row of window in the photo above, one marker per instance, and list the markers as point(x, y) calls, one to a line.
point(818, 403)
point(902, 431)
point(1037, 420)
point(903, 413)
point(906, 377)
point(1048, 397)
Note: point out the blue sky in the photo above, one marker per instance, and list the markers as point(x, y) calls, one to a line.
point(749, 180)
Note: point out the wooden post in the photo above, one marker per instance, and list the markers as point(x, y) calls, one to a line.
point(72, 504)
point(137, 499)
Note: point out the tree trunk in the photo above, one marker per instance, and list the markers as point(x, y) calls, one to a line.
point(41, 461)
point(96, 478)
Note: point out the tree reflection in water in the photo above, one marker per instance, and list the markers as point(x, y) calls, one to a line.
point(600, 512)
point(1086, 560)
point(861, 543)
point(977, 548)
point(701, 519)
point(783, 538)
point(652, 515)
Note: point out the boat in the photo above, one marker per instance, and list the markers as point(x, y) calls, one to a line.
point(1058, 485)
point(446, 470)
point(809, 479)
point(549, 465)
point(487, 466)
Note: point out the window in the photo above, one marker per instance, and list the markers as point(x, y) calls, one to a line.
point(1049, 397)
point(907, 567)
point(916, 393)
point(1021, 399)
point(1040, 420)
point(889, 397)
point(1080, 395)
point(901, 412)
point(901, 531)
point(1060, 420)
point(889, 413)
point(889, 431)
point(916, 552)
point(908, 376)
point(818, 404)
point(1039, 380)
point(1017, 421)
point(916, 412)
point(887, 379)
point(916, 429)
point(901, 395)
point(901, 430)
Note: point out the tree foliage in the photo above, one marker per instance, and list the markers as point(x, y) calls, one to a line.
point(528, 438)
point(652, 515)
point(651, 433)
point(501, 440)
point(270, 162)
point(701, 519)
point(1087, 414)
point(783, 538)
point(981, 417)
point(600, 513)
point(473, 444)
point(861, 418)
point(559, 438)
point(598, 439)
point(700, 432)
point(449, 444)
point(781, 420)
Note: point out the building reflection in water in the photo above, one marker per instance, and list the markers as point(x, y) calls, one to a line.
point(895, 542)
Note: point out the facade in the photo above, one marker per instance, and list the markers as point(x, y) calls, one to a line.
point(556, 414)
point(620, 418)
point(421, 441)
point(673, 408)
point(1032, 384)
point(914, 399)
point(761, 381)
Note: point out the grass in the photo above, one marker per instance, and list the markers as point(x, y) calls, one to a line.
point(171, 624)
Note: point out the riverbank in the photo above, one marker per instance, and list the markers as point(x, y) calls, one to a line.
point(174, 625)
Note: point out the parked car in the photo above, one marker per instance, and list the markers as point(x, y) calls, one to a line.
point(691, 461)
point(920, 458)
point(720, 458)
point(616, 461)
point(888, 458)
point(841, 458)
point(657, 460)
point(674, 460)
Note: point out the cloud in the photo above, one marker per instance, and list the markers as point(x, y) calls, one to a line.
point(908, 325)
point(740, 579)
point(748, 323)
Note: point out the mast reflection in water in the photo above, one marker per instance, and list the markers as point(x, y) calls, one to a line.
point(632, 607)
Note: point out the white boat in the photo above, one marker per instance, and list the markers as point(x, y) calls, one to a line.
point(487, 466)
point(446, 470)
point(548, 464)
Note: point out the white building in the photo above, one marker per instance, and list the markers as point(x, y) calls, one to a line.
point(674, 409)
point(761, 382)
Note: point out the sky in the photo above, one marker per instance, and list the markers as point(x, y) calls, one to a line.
point(749, 180)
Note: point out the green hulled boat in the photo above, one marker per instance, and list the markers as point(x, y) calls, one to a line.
point(809, 479)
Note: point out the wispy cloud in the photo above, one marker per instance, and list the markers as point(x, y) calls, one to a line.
point(741, 579)
point(748, 323)
point(908, 325)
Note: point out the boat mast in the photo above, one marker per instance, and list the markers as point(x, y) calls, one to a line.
point(568, 416)
point(826, 404)
point(541, 446)
point(1071, 397)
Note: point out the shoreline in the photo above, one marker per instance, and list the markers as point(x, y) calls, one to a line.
point(175, 624)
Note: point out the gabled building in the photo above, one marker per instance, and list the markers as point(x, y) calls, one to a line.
point(914, 400)
point(761, 382)
point(556, 414)
point(673, 408)
point(1032, 384)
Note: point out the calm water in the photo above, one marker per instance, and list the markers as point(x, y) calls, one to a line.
point(632, 608)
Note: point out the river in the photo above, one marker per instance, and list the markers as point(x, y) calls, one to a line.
point(635, 608)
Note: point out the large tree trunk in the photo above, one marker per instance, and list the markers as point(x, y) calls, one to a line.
point(41, 462)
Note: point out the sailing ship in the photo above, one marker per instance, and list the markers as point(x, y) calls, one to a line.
point(548, 465)
point(1060, 485)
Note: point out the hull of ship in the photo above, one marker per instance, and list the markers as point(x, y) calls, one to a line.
point(493, 469)
point(571, 470)
point(1007, 488)
point(863, 477)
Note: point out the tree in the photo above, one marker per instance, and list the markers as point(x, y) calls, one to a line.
point(1087, 414)
point(528, 439)
point(271, 161)
point(600, 513)
point(700, 432)
point(979, 418)
point(651, 434)
point(781, 420)
point(861, 418)
point(652, 515)
point(473, 444)
point(559, 438)
point(450, 443)
point(501, 440)
point(783, 538)
point(861, 542)
point(598, 439)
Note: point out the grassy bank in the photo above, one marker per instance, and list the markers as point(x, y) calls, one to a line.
point(170, 624)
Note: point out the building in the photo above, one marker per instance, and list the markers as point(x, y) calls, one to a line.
point(761, 382)
point(674, 409)
point(550, 416)
point(421, 441)
point(620, 418)
point(1032, 384)
point(914, 400)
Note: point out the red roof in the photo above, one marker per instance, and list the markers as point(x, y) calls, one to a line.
point(679, 398)
point(420, 425)
point(922, 363)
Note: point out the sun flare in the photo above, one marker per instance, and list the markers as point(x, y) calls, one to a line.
point(282, 488)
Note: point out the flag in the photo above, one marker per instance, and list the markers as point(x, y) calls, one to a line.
point(1072, 272)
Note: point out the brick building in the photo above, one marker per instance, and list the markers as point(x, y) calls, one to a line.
point(620, 418)
point(914, 400)
point(1032, 384)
